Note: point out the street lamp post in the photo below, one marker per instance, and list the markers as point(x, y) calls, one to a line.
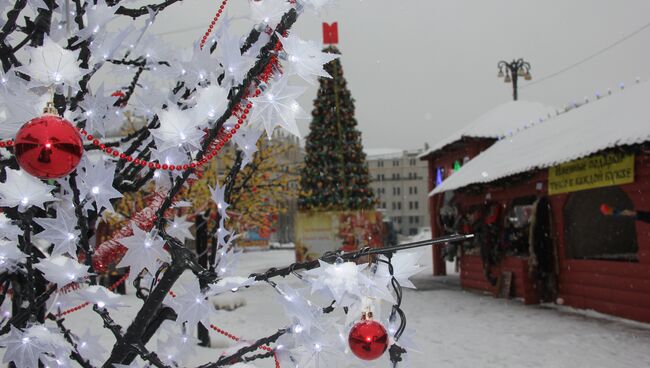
point(511, 71)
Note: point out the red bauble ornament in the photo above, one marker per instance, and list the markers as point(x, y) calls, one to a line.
point(368, 339)
point(48, 147)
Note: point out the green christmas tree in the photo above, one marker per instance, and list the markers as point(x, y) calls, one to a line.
point(335, 174)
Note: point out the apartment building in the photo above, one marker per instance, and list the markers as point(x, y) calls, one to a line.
point(399, 181)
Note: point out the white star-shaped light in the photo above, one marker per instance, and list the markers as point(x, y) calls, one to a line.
point(320, 349)
point(315, 5)
point(62, 270)
point(211, 103)
point(23, 190)
point(306, 58)
point(8, 229)
point(300, 309)
point(176, 129)
point(97, 183)
point(51, 64)
point(268, 12)
point(170, 156)
point(177, 348)
point(180, 228)
point(191, 305)
point(342, 281)
point(105, 45)
point(217, 194)
point(405, 265)
point(225, 239)
point(277, 106)
point(97, 17)
point(96, 108)
point(10, 256)
point(144, 250)
point(101, 296)
point(200, 68)
point(235, 65)
point(89, 347)
point(226, 262)
point(58, 357)
point(22, 349)
point(61, 232)
point(246, 140)
point(18, 104)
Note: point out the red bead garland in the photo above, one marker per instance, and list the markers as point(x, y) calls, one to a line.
point(215, 146)
point(214, 21)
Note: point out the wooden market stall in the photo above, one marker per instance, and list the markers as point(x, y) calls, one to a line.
point(535, 200)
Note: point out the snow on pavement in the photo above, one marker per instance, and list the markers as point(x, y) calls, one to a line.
point(454, 328)
point(461, 329)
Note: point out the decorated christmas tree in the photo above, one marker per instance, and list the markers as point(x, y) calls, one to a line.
point(335, 175)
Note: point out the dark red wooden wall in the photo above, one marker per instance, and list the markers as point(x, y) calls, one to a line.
point(613, 287)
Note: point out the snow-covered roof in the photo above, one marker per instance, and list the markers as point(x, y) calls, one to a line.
point(382, 153)
point(620, 119)
point(501, 120)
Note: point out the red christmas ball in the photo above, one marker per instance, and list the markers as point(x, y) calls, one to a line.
point(368, 339)
point(48, 147)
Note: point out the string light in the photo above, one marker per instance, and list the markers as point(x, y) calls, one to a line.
point(567, 108)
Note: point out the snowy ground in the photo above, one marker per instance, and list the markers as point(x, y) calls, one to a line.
point(453, 328)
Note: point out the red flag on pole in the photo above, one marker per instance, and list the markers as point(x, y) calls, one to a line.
point(331, 33)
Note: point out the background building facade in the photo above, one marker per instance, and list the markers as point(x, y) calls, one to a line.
point(399, 181)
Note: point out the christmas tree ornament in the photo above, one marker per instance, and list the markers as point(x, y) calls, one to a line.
point(48, 146)
point(368, 339)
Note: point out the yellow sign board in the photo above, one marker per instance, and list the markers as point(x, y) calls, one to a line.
point(591, 172)
point(320, 232)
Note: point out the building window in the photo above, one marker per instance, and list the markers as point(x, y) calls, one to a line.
point(416, 205)
point(395, 162)
point(394, 206)
point(413, 231)
point(399, 190)
point(380, 163)
point(410, 190)
point(378, 177)
point(412, 162)
point(399, 205)
point(383, 205)
point(417, 219)
point(410, 205)
point(415, 190)
point(590, 235)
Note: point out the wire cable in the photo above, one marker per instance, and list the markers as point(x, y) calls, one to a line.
point(584, 60)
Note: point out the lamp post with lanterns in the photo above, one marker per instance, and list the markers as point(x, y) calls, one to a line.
point(511, 71)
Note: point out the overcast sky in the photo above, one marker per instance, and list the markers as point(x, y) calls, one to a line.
point(421, 69)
